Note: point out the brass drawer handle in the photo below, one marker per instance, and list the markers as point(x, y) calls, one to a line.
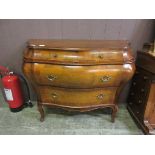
point(51, 77)
point(101, 56)
point(105, 78)
point(54, 95)
point(55, 55)
point(100, 96)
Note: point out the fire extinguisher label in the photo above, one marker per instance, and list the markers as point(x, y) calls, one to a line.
point(8, 94)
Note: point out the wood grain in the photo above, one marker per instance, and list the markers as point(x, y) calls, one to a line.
point(78, 75)
point(77, 98)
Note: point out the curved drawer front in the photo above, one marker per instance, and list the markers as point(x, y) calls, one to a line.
point(78, 76)
point(77, 97)
point(98, 56)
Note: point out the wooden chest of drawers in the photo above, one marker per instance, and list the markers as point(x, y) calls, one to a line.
point(141, 100)
point(78, 75)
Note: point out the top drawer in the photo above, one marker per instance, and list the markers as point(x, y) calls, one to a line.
point(78, 52)
point(75, 57)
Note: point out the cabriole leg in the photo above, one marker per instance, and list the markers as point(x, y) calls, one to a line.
point(113, 115)
point(41, 110)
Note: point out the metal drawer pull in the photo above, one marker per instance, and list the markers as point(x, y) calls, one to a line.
point(100, 56)
point(105, 78)
point(100, 96)
point(55, 55)
point(51, 77)
point(54, 95)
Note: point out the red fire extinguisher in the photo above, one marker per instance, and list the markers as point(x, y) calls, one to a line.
point(13, 90)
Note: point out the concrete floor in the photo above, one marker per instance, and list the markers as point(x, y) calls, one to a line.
point(60, 122)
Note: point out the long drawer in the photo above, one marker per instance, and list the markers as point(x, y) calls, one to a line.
point(77, 97)
point(77, 56)
point(75, 76)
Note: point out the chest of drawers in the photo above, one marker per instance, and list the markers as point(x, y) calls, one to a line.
point(79, 75)
point(141, 100)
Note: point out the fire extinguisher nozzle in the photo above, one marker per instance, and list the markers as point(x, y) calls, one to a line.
point(29, 103)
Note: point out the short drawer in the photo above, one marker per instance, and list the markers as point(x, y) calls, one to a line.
point(77, 97)
point(77, 76)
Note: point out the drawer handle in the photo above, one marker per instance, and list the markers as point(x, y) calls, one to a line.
point(54, 95)
point(55, 55)
point(100, 96)
point(51, 77)
point(101, 56)
point(105, 78)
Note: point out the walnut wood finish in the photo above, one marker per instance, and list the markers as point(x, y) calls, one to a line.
point(78, 75)
point(81, 52)
point(77, 98)
point(80, 57)
point(76, 44)
point(141, 100)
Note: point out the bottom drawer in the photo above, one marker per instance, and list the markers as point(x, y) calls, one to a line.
point(77, 97)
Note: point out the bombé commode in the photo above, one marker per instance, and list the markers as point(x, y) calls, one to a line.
point(80, 75)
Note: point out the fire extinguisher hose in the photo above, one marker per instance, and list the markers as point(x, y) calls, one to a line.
point(28, 103)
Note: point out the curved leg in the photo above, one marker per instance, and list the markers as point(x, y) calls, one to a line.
point(113, 115)
point(41, 110)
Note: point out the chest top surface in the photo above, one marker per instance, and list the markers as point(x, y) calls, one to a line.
point(75, 52)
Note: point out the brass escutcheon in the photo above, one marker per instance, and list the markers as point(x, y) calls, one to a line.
point(51, 77)
point(105, 78)
point(100, 96)
point(54, 95)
